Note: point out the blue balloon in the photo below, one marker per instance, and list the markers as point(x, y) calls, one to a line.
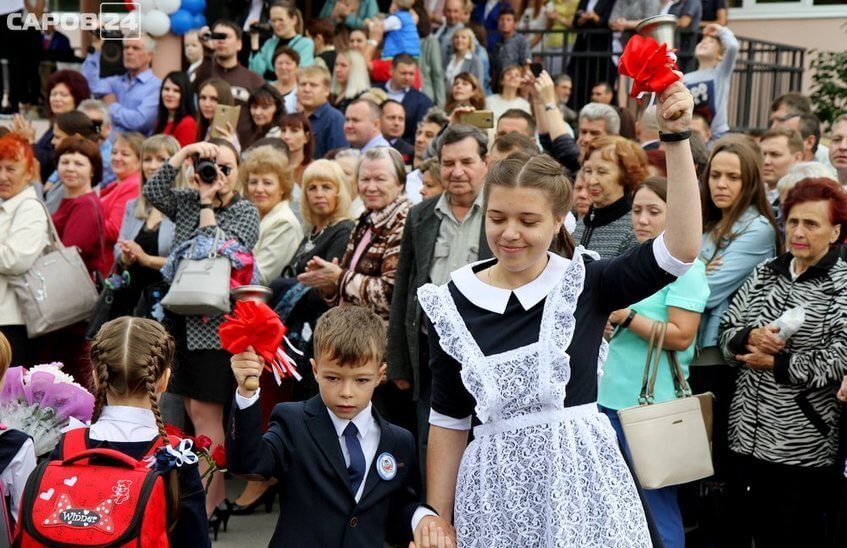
point(181, 22)
point(199, 21)
point(194, 7)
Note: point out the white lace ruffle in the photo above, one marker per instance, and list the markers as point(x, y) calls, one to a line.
point(563, 485)
point(527, 481)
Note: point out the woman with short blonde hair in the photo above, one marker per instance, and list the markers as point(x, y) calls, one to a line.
point(267, 180)
point(325, 171)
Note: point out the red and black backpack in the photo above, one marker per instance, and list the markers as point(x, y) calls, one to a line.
point(94, 497)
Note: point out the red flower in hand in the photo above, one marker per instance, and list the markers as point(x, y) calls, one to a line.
point(202, 443)
point(252, 324)
point(219, 456)
point(649, 64)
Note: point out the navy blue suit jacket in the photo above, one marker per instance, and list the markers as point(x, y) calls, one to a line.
point(317, 508)
point(415, 104)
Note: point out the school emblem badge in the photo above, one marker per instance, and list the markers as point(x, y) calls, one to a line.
point(386, 466)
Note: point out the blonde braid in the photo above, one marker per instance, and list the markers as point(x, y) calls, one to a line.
point(101, 371)
point(155, 369)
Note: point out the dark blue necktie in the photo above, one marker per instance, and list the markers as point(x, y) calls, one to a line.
point(356, 469)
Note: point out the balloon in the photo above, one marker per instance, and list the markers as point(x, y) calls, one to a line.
point(156, 23)
point(194, 7)
point(146, 5)
point(199, 21)
point(168, 6)
point(181, 22)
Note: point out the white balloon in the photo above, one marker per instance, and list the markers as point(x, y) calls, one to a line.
point(146, 5)
point(168, 6)
point(156, 23)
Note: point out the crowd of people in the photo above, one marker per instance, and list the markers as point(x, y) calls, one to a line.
point(401, 238)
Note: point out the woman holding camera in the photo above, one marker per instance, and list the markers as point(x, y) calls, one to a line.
point(202, 377)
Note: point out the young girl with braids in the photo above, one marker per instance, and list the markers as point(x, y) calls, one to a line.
point(131, 359)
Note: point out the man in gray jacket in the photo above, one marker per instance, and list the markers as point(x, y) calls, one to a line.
point(442, 234)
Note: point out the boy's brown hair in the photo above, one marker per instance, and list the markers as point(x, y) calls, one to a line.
point(352, 335)
point(5, 355)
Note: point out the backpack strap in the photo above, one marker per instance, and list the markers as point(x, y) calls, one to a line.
point(75, 441)
point(157, 443)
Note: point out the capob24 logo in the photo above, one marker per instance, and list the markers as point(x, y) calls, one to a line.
point(109, 24)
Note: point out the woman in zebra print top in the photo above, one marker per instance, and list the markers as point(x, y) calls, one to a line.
point(783, 426)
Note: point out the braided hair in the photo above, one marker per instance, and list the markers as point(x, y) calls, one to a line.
point(129, 357)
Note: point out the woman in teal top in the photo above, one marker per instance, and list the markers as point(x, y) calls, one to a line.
point(350, 13)
point(739, 230)
point(679, 304)
point(285, 20)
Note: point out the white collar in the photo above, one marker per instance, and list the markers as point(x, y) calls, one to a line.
point(124, 423)
point(129, 414)
point(364, 421)
point(389, 87)
point(495, 299)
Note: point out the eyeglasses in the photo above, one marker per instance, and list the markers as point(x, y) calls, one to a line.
point(226, 170)
point(58, 93)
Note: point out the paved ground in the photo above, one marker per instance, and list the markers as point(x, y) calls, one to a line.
point(247, 531)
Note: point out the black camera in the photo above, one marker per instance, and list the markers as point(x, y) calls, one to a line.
point(206, 169)
point(260, 27)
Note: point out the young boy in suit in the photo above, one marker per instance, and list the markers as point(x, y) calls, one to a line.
point(347, 477)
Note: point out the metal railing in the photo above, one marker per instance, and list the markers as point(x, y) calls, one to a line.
point(763, 70)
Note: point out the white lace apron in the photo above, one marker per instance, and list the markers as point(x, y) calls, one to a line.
point(537, 474)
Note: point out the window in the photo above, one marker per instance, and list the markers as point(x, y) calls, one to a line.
point(785, 9)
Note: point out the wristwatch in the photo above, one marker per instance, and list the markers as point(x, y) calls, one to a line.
point(550, 106)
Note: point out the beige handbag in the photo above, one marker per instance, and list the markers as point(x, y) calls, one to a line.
point(201, 286)
point(669, 441)
point(57, 290)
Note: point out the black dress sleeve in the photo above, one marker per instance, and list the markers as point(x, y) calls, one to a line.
point(627, 278)
point(449, 395)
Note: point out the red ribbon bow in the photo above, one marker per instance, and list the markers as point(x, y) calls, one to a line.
point(255, 324)
point(649, 64)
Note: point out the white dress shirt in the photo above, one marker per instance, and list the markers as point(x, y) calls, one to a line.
point(368, 436)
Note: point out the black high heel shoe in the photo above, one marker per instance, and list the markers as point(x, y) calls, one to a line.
point(220, 517)
point(267, 498)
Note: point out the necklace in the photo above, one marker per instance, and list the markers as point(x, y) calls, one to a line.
point(311, 239)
